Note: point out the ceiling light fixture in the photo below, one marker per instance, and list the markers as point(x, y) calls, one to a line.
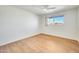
point(49, 9)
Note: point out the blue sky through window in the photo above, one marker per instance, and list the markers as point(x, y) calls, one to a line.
point(56, 19)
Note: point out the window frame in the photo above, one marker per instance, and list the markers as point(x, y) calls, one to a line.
point(53, 20)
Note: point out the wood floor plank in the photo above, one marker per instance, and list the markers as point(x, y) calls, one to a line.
point(41, 43)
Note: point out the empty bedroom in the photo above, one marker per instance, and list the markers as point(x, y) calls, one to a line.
point(39, 28)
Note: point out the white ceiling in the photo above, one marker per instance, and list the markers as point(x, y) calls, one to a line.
point(46, 9)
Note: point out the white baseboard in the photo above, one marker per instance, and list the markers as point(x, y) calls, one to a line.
point(34, 35)
point(63, 36)
point(18, 39)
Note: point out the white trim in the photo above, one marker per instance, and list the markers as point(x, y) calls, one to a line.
point(62, 36)
point(19, 39)
point(34, 35)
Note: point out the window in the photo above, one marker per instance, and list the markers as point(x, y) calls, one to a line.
point(58, 20)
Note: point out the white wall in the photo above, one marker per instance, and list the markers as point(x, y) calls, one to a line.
point(16, 24)
point(68, 30)
point(78, 22)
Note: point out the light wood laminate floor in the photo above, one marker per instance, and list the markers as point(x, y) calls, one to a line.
point(41, 43)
